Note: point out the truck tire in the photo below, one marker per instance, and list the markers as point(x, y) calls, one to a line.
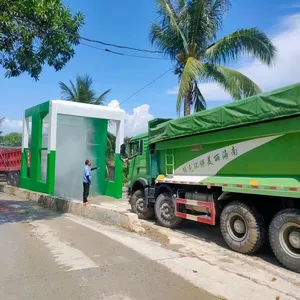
point(139, 207)
point(10, 178)
point(165, 211)
point(17, 179)
point(242, 227)
point(284, 234)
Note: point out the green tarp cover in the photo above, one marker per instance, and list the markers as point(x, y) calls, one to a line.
point(280, 103)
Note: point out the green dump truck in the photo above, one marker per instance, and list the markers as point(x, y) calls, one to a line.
point(237, 165)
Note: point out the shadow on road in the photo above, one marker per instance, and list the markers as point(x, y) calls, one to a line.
point(12, 211)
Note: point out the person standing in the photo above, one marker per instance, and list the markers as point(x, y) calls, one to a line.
point(87, 180)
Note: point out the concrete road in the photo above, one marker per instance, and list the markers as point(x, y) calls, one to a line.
point(45, 255)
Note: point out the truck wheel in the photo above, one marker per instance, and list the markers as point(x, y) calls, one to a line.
point(17, 179)
point(242, 227)
point(10, 179)
point(284, 233)
point(165, 212)
point(139, 207)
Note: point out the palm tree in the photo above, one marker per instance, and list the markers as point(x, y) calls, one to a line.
point(82, 91)
point(187, 33)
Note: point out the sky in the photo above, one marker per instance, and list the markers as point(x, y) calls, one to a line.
point(128, 23)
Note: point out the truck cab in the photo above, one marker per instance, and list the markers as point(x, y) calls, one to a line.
point(138, 152)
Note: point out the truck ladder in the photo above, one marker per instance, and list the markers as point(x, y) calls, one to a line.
point(169, 161)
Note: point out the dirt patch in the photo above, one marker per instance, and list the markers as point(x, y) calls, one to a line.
point(159, 237)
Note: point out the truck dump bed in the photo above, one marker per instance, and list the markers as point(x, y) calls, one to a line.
point(10, 159)
point(281, 103)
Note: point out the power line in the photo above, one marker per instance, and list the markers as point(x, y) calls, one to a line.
point(122, 54)
point(119, 46)
point(97, 41)
point(137, 92)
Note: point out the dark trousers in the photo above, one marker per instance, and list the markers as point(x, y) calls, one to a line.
point(86, 191)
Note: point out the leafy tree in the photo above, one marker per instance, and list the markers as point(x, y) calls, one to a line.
point(187, 33)
point(35, 32)
point(82, 91)
point(13, 139)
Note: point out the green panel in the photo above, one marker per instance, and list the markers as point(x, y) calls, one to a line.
point(34, 181)
point(99, 146)
point(114, 188)
point(37, 185)
point(43, 107)
point(281, 103)
point(262, 192)
point(51, 171)
point(279, 157)
point(262, 182)
point(184, 154)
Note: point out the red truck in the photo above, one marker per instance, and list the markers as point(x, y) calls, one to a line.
point(10, 165)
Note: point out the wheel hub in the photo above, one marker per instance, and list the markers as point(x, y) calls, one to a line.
point(289, 238)
point(239, 226)
point(140, 205)
point(294, 239)
point(166, 211)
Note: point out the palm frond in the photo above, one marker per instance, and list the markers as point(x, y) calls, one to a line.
point(75, 91)
point(232, 81)
point(171, 21)
point(101, 99)
point(205, 19)
point(66, 92)
point(192, 70)
point(166, 41)
point(198, 99)
point(180, 5)
point(200, 27)
point(219, 9)
point(240, 43)
point(82, 91)
point(87, 93)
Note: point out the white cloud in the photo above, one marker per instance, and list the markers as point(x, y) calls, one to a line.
point(284, 72)
point(135, 122)
point(113, 104)
point(138, 121)
point(8, 126)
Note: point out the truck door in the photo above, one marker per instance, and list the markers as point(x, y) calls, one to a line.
point(137, 165)
point(133, 162)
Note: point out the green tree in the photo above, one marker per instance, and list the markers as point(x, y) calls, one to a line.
point(13, 139)
point(187, 33)
point(82, 91)
point(35, 32)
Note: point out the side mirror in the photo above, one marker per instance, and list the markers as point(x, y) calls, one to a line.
point(123, 151)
